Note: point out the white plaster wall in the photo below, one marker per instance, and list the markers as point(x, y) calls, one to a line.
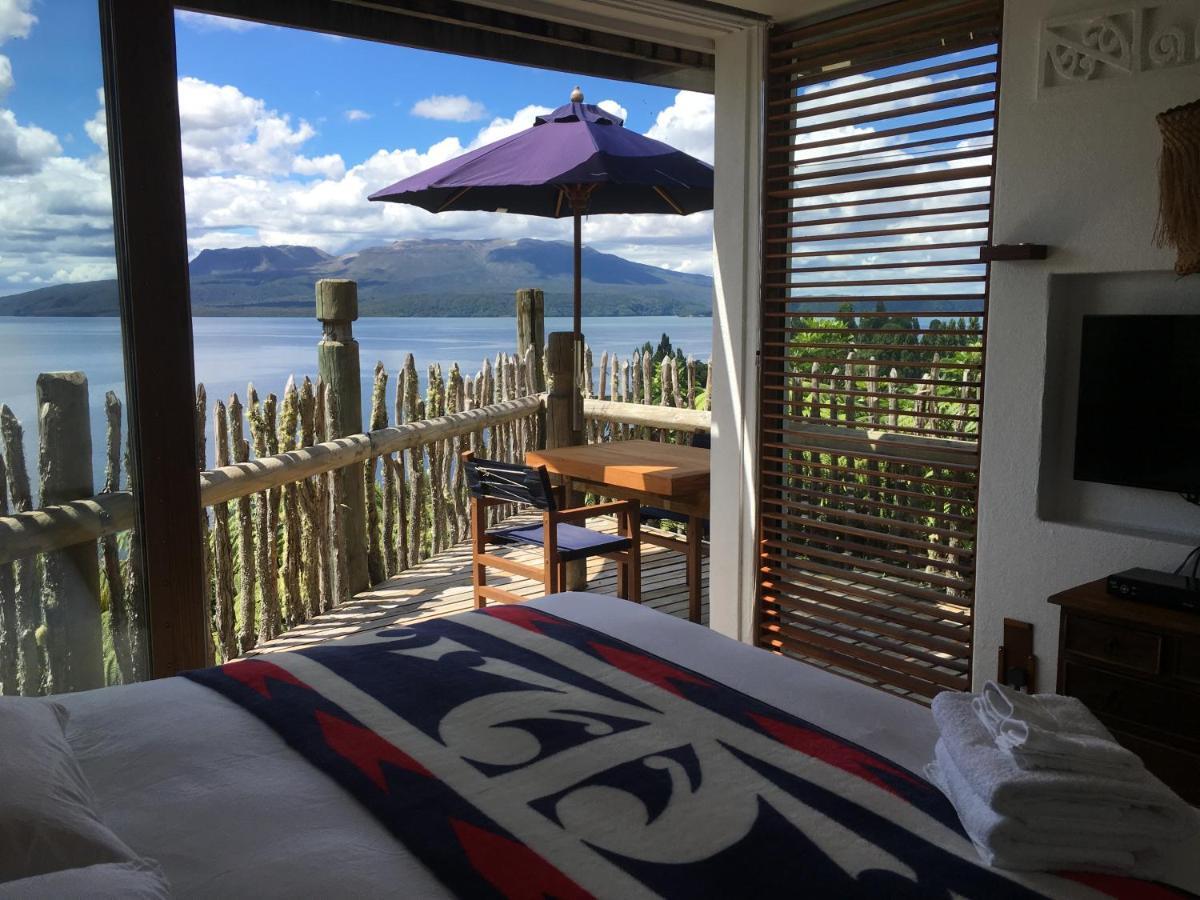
point(736, 265)
point(1077, 171)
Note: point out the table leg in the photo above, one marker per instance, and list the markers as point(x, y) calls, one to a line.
point(695, 534)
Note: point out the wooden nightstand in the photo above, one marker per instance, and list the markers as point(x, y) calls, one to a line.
point(1137, 667)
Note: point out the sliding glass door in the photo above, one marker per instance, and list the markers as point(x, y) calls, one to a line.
point(72, 601)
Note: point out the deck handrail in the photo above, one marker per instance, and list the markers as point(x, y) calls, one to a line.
point(55, 527)
point(646, 415)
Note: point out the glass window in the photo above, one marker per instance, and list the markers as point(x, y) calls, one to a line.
point(72, 613)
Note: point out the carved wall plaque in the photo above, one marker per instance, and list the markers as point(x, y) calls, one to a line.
point(1118, 43)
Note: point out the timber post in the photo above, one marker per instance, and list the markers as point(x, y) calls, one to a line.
point(561, 430)
point(338, 367)
point(560, 401)
point(531, 336)
point(72, 575)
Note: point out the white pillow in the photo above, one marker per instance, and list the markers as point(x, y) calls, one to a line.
point(108, 881)
point(47, 816)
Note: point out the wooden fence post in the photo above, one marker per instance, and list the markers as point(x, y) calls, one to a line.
point(9, 652)
point(266, 517)
point(118, 613)
point(338, 367)
point(207, 588)
point(289, 420)
point(412, 462)
point(222, 547)
point(72, 576)
point(560, 366)
point(247, 634)
point(326, 574)
point(531, 338)
point(560, 421)
point(377, 569)
point(531, 331)
point(26, 581)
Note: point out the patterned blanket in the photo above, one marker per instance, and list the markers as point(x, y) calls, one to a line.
point(518, 754)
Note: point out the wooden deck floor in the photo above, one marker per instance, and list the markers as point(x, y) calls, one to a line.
point(441, 586)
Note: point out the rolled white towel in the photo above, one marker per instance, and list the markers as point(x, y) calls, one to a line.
point(1007, 843)
point(1052, 732)
point(1142, 805)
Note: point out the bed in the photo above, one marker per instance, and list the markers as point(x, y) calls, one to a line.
point(229, 807)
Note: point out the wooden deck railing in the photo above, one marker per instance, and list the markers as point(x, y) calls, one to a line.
point(274, 523)
point(64, 525)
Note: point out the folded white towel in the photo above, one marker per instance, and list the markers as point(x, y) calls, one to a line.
point(1053, 732)
point(1114, 834)
point(1142, 805)
point(1007, 843)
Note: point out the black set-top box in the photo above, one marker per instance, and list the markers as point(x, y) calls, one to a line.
point(1158, 588)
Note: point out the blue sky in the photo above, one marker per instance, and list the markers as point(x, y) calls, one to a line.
point(284, 133)
point(384, 81)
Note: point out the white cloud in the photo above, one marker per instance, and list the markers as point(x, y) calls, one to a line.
point(687, 124)
point(24, 149)
point(248, 180)
point(332, 212)
point(96, 129)
point(329, 166)
point(15, 19)
point(501, 127)
point(56, 224)
point(204, 22)
point(449, 108)
point(86, 271)
point(612, 106)
point(224, 131)
point(55, 210)
point(358, 115)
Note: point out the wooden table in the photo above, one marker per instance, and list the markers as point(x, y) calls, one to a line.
point(669, 476)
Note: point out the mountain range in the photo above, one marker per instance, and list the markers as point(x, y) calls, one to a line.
point(406, 278)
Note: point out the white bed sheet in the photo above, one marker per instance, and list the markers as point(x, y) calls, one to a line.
point(190, 779)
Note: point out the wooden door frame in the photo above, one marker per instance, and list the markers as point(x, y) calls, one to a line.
point(140, 75)
point(150, 229)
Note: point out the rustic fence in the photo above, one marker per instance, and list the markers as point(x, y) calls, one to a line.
point(900, 453)
point(415, 497)
point(277, 522)
point(277, 518)
point(669, 382)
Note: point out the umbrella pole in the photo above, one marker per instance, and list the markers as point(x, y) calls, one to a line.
point(580, 378)
point(578, 272)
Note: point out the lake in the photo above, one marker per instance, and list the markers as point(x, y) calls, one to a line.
point(230, 352)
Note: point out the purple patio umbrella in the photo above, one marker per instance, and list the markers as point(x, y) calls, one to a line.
point(577, 160)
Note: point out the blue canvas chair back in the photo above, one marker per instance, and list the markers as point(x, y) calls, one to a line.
point(702, 439)
point(509, 481)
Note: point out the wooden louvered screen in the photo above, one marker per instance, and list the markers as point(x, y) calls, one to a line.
point(878, 168)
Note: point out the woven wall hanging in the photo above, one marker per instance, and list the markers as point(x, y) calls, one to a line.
point(1179, 186)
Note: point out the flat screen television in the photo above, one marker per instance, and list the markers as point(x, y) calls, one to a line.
point(1138, 419)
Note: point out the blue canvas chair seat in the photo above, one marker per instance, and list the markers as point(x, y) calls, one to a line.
point(573, 541)
point(492, 483)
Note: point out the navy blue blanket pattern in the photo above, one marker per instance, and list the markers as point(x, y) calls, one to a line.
point(519, 754)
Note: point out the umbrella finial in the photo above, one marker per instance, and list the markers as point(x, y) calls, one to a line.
point(577, 95)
